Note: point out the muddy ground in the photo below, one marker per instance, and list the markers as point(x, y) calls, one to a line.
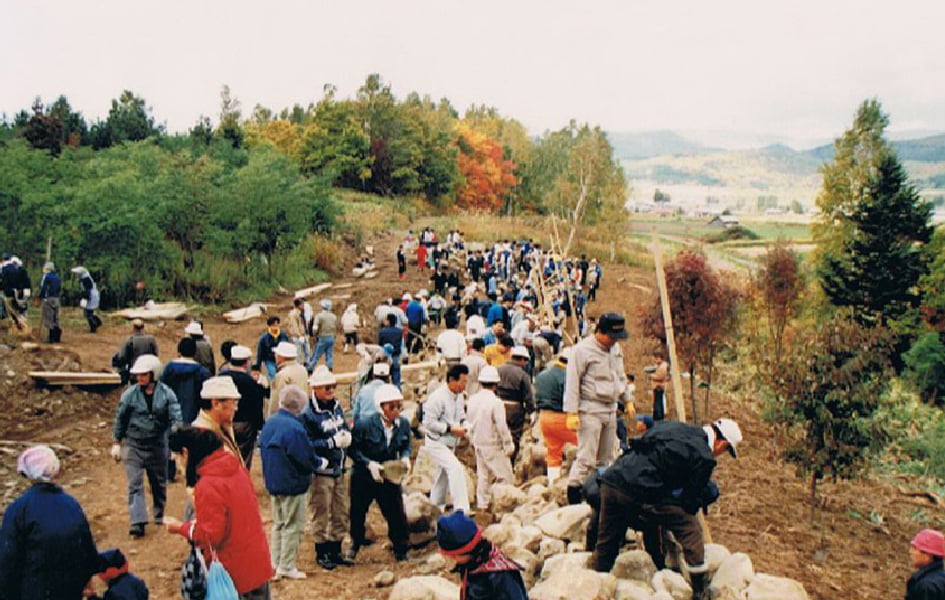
point(763, 510)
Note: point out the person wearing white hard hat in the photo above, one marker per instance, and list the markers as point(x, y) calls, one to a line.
point(204, 353)
point(324, 329)
point(288, 372)
point(661, 486)
point(364, 405)
point(490, 437)
point(549, 393)
point(329, 500)
point(515, 390)
point(146, 413)
point(380, 447)
point(219, 401)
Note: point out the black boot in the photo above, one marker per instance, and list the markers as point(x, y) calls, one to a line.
point(337, 557)
point(574, 494)
point(323, 556)
point(700, 591)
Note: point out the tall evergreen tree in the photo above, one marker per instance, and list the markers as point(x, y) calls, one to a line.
point(873, 225)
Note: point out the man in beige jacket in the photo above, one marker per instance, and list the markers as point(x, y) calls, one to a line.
point(288, 371)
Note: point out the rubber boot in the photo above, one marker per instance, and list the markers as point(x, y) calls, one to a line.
point(553, 473)
point(700, 591)
point(574, 494)
point(336, 556)
point(323, 556)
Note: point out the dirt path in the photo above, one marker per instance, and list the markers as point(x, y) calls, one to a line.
point(762, 510)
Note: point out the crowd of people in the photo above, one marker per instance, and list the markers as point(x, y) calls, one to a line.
point(508, 324)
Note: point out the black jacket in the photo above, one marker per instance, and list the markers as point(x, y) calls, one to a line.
point(370, 444)
point(126, 587)
point(252, 399)
point(670, 464)
point(928, 583)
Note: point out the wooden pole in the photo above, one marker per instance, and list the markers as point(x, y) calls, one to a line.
point(668, 324)
point(49, 249)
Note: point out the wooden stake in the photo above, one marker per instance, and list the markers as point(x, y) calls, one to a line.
point(668, 324)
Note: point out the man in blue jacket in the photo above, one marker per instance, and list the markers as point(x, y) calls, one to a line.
point(416, 319)
point(379, 441)
point(289, 460)
point(328, 432)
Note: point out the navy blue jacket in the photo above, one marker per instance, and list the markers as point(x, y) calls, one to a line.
point(288, 457)
point(126, 587)
point(928, 583)
point(369, 442)
point(50, 286)
point(670, 456)
point(265, 347)
point(46, 547)
point(186, 378)
point(392, 335)
point(321, 424)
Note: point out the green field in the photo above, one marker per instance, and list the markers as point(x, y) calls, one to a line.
point(699, 228)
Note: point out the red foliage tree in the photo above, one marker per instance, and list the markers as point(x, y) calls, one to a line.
point(488, 177)
point(704, 307)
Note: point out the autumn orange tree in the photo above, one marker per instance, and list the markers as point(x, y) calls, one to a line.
point(488, 176)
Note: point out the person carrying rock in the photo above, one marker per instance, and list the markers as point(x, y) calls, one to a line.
point(661, 484)
point(594, 383)
point(490, 437)
point(926, 552)
point(485, 571)
point(329, 500)
point(380, 448)
point(444, 422)
point(146, 413)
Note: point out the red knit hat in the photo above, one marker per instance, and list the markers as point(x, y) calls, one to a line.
point(930, 541)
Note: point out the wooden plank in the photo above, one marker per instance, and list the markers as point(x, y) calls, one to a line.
point(164, 311)
point(67, 378)
point(239, 315)
point(668, 324)
point(310, 291)
point(429, 364)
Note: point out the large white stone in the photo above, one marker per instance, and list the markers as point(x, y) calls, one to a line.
point(566, 523)
point(634, 564)
point(715, 555)
point(577, 584)
point(549, 547)
point(733, 574)
point(633, 590)
point(421, 513)
point(769, 587)
point(673, 584)
point(501, 534)
point(424, 587)
point(529, 537)
point(564, 563)
point(506, 498)
point(530, 564)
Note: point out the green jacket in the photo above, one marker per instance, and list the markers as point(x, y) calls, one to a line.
point(549, 388)
point(139, 425)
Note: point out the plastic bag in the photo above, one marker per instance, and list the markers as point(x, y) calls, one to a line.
point(220, 584)
point(193, 580)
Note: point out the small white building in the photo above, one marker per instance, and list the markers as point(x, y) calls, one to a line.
point(724, 221)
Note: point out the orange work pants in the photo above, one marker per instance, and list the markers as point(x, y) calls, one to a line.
point(556, 435)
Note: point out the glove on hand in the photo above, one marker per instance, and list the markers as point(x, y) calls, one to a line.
point(572, 421)
point(375, 470)
point(341, 439)
point(115, 452)
point(406, 462)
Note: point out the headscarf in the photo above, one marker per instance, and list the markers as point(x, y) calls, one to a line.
point(80, 272)
point(38, 463)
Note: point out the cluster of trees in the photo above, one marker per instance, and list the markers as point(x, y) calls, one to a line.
point(827, 337)
point(254, 185)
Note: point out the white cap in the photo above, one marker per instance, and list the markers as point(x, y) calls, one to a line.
point(381, 369)
point(286, 350)
point(423, 293)
point(325, 303)
point(146, 363)
point(240, 352)
point(489, 374)
point(220, 387)
point(321, 376)
point(387, 393)
point(520, 352)
point(406, 296)
point(731, 433)
point(193, 328)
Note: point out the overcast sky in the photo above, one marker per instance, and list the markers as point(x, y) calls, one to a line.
point(793, 69)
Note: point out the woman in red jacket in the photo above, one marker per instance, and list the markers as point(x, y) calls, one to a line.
point(228, 520)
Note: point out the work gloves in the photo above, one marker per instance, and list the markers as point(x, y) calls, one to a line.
point(572, 421)
point(375, 469)
point(115, 452)
point(341, 439)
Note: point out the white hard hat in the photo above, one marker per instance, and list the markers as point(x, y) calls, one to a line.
point(406, 296)
point(325, 303)
point(286, 350)
point(240, 353)
point(322, 376)
point(193, 328)
point(220, 387)
point(146, 363)
point(489, 374)
point(731, 432)
point(381, 369)
point(387, 393)
point(520, 352)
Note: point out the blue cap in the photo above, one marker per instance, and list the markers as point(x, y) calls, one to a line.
point(647, 420)
point(456, 532)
